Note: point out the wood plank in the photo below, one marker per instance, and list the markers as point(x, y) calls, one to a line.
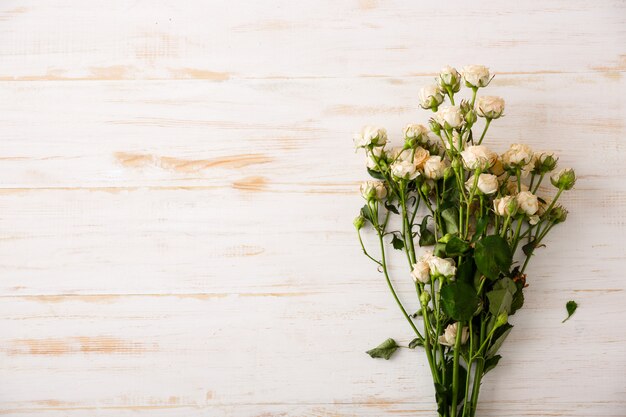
point(215, 41)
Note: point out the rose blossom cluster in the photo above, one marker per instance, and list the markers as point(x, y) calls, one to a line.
point(480, 209)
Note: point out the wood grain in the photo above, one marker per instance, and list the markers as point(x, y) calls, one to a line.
point(177, 185)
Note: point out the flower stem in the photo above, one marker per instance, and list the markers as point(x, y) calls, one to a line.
point(484, 131)
point(455, 368)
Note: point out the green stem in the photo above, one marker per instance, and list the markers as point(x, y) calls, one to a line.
point(484, 131)
point(455, 368)
point(393, 291)
point(365, 251)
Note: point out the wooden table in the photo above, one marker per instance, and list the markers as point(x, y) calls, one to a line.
point(178, 183)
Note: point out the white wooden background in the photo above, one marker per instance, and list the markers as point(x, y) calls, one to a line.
point(177, 188)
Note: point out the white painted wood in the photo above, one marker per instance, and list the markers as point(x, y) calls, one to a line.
point(177, 185)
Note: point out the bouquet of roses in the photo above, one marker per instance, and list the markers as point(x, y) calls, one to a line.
point(478, 219)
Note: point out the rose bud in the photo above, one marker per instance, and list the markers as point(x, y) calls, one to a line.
point(476, 76)
point(449, 78)
point(564, 180)
point(490, 107)
point(430, 97)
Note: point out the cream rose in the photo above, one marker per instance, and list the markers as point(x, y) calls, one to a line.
point(420, 156)
point(486, 183)
point(441, 267)
point(476, 75)
point(490, 107)
point(505, 206)
point(448, 337)
point(421, 272)
point(404, 169)
point(430, 96)
point(449, 117)
point(414, 131)
point(377, 152)
point(478, 156)
point(370, 135)
point(518, 156)
point(373, 190)
point(449, 77)
point(434, 167)
point(527, 202)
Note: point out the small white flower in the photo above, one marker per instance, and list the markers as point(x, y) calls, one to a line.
point(490, 107)
point(479, 156)
point(449, 77)
point(377, 152)
point(373, 190)
point(370, 135)
point(518, 156)
point(421, 272)
point(404, 170)
point(448, 337)
point(449, 117)
point(414, 131)
point(434, 167)
point(430, 96)
point(505, 206)
point(441, 267)
point(476, 75)
point(527, 202)
point(486, 184)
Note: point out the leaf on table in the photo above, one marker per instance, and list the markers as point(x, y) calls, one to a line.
point(571, 307)
point(384, 350)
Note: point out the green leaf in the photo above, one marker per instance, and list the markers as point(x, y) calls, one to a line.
point(481, 226)
point(571, 306)
point(397, 242)
point(491, 363)
point(442, 395)
point(391, 207)
point(427, 238)
point(518, 297)
point(492, 255)
point(500, 337)
point(500, 301)
point(459, 300)
point(505, 284)
point(384, 350)
point(367, 213)
point(450, 217)
point(375, 174)
point(465, 271)
point(456, 246)
point(416, 342)
point(440, 250)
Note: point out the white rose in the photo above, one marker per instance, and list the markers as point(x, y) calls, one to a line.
point(420, 156)
point(377, 152)
point(430, 96)
point(421, 272)
point(490, 107)
point(434, 167)
point(518, 155)
point(478, 156)
point(486, 184)
point(441, 267)
point(373, 190)
point(449, 117)
point(404, 169)
point(527, 202)
point(415, 131)
point(448, 337)
point(476, 75)
point(370, 135)
point(505, 206)
point(449, 77)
